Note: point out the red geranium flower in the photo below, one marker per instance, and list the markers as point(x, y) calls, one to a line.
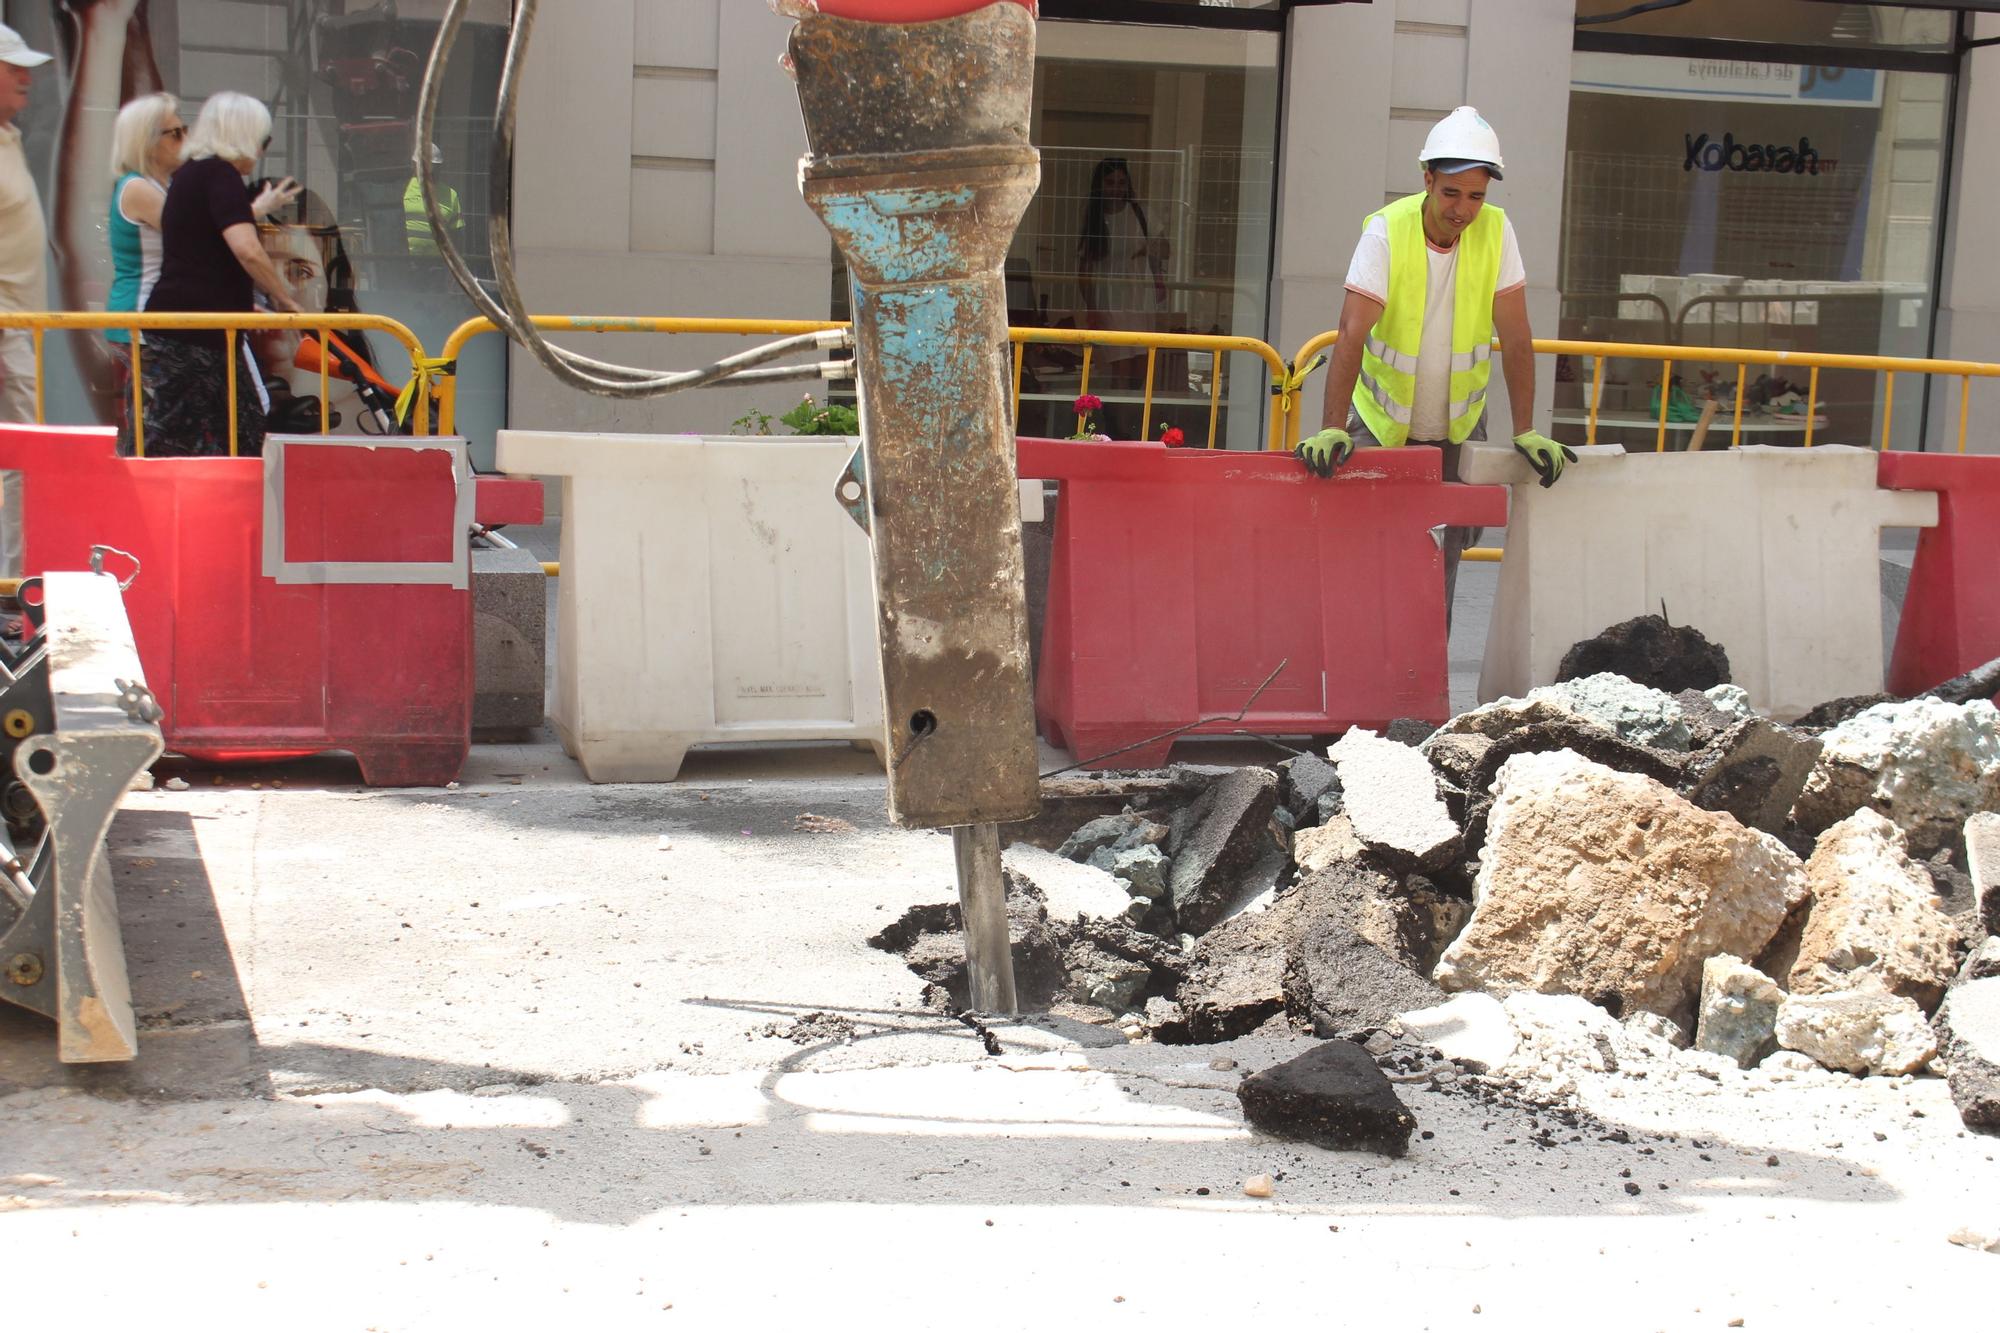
point(1173, 437)
point(1088, 402)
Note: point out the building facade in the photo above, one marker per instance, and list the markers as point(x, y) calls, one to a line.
point(1792, 173)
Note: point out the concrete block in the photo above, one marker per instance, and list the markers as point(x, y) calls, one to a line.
point(1471, 1029)
point(1392, 797)
point(509, 641)
point(1771, 552)
point(1969, 1038)
point(1754, 771)
point(1860, 1031)
point(1226, 835)
point(712, 590)
point(1982, 858)
point(1738, 1016)
point(1332, 1096)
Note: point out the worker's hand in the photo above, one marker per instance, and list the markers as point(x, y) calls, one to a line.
point(275, 196)
point(1324, 452)
point(1548, 457)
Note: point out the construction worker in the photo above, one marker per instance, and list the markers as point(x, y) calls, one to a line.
point(417, 235)
point(1433, 276)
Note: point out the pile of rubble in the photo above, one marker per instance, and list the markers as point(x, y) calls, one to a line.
point(1599, 872)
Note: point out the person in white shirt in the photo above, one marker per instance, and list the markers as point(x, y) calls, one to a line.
point(24, 278)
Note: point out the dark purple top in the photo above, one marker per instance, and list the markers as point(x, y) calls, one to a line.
point(198, 270)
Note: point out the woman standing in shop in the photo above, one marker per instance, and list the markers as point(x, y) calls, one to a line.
point(1121, 275)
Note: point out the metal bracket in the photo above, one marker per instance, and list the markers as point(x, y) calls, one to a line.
point(61, 953)
point(850, 489)
point(97, 554)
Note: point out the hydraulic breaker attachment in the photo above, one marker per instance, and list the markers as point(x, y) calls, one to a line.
point(920, 166)
point(77, 724)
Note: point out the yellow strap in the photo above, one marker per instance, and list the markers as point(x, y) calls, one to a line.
point(427, 369)
point(1295, 379)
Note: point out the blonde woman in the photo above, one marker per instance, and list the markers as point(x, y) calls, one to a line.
point(211, 261)
point(145, 150)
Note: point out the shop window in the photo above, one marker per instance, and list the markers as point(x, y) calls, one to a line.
point(1721, 189)
point(1153, 215)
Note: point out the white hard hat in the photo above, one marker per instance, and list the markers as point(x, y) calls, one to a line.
point(1461, 141)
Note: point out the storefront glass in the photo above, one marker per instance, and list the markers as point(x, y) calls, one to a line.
point(1715, 198)
point(1154, 215)
point(341, 80)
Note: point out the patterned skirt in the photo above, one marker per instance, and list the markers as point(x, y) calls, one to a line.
point(186, 401)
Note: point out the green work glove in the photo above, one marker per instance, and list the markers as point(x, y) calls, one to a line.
point(1325, 451)
point(1547, 456)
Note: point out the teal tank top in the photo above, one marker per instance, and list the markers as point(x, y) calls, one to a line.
point(135, 258)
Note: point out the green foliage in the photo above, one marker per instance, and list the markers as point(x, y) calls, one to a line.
point(752, 422)
point(833, 419)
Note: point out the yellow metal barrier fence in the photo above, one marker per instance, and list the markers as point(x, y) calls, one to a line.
point(41, 322)
point(1283, 392)
point(1740, 357)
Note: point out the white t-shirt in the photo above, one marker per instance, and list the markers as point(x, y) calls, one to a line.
point(23, 235)
point(1368, 274)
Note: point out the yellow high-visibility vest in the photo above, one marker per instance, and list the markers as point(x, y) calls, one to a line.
point(417, 224)
point(1387, 390)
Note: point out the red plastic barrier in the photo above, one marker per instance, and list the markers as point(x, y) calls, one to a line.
point(346, 626)
point(1951, 612)
point(1180, 578)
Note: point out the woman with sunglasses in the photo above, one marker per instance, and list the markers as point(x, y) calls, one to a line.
point(145, 149)
point(211, 261)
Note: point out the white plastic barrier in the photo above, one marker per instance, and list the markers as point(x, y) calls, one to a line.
point(1771, 552)
point(712, 590)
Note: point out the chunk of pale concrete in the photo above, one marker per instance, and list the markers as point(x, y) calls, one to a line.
point(1334, 1097)
point(1472, 1029)
point(1982, 856)
point(1927, 765)
point(1874, 918)
point(1069, 888)
point(1504, 716)
point(1637, 713)
point(1860, 1031)
point(1968, 1029)
point(1392, 800)
point(1317, 848)
point(1609, 886)
point(1739, 1011)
